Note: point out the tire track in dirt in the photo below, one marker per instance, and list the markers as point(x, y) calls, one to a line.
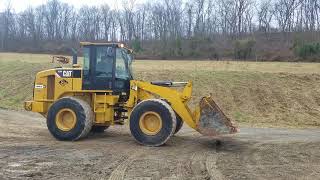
point(201, 163)
point(204, 162)
point(253, 158)
point(198, 167)
point(183, 164)
point(181, 171)
point(192, 162)
point(182, 168)
point(211, 165)
point(119, 172)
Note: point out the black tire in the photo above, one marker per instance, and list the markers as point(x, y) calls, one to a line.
point(168, 119)
point(84, 119)
point(179, 124)
point(99, 129)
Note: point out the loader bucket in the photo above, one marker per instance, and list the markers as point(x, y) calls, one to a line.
point(213, 121)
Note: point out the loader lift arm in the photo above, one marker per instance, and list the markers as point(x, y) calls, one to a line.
point(177, 100)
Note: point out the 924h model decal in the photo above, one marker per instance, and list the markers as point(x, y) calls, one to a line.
point(68, 73)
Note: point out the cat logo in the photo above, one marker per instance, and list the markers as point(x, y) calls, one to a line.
point(67, 73)
point(63, 82)
point(64, 74)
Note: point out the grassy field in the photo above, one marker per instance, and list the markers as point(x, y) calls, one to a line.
point(264, 94)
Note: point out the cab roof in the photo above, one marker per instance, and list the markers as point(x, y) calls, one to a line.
point(120, 45)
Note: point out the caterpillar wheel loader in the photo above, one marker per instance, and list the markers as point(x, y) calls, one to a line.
point(102, 92)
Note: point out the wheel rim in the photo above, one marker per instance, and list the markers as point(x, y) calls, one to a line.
point(66, 119)
point(150, 123)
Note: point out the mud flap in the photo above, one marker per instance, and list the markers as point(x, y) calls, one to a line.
point(213, 121)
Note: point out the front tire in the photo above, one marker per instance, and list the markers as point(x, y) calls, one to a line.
point(70, 119)
point(152, 122)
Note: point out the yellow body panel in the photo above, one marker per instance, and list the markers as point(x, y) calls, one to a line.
point(103, 107)
point(77, 83)
point(62, 85)
point(35, 106)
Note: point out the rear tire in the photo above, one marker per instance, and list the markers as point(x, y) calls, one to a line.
point(59, 123)
point(152, 122)
point(99, 129)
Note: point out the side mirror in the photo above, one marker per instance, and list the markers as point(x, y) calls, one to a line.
point(131, 54)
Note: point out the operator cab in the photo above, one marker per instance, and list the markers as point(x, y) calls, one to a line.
point(107, 66)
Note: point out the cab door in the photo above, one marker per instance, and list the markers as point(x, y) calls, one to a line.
point(98, 68)
point(122, 71)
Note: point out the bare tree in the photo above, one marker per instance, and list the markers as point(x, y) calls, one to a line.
point(168, 23)
point(106, 20)
point(243, 14)
point(284, 13)
point(51, 14)
point(8, 26)
point(199, 6)
point(189, 10)
point(265, 15)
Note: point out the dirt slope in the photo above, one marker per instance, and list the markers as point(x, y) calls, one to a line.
point(27, 150)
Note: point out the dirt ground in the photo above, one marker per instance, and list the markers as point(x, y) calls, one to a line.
point(27, 150)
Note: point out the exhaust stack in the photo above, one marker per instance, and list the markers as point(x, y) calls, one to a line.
point(74, 56)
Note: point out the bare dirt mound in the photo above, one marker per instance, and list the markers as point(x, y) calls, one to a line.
point(27, 150)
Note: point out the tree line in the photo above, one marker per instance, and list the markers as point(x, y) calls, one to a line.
point(158, 21)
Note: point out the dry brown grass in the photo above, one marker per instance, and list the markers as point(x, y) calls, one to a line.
point(270, 67)
point(252, 93)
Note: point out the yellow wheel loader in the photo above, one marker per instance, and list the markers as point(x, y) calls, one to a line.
point(102, 92)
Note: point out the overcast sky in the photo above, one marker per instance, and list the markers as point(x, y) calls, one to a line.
point(20, 5)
